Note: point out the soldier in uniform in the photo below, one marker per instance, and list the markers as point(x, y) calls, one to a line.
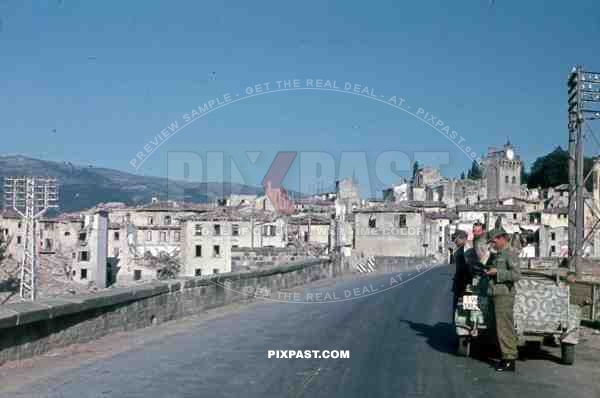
point(503, 270)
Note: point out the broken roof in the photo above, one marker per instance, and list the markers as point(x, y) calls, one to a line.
point(174, 206)
point(490, 207)
point(9, 213)
point(442, 216)
point(238, 213)
point(314, 202)
point(426, 203)
point(315, 219)
point(389, 207)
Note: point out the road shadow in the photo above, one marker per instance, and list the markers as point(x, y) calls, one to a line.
point(442, 337)
point(538, 352)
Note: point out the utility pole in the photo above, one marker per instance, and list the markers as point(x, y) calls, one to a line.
point(583, 104)
point(573, 116)
point(30, 197)
point(575, 166)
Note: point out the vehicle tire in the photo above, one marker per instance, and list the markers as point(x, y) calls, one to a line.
point(464, 346)
point(533, 347)
point(567, 353)
point(550, 341)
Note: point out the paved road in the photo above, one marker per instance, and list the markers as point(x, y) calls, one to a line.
point(400, 344)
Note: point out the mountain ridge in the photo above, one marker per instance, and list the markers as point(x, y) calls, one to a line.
point(82, 187)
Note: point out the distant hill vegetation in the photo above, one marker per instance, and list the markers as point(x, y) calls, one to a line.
point(82, 187)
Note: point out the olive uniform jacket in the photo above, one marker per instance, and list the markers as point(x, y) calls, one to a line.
point(509, 272)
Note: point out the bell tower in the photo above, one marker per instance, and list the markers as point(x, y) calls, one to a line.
point(503, 173)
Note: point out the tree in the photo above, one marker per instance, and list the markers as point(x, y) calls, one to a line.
point(550, 170)
point(524, 176)
point(462, 175)
point(416, 168)
point(474, 172)
point(553, 169)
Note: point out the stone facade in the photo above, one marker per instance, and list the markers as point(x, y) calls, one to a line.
point(439, 238)
point(54, 236)
point(556, 197)
point(148, 242)
point(427, 176)
point(488, 213)
point(311, 228)
point(553, 241)
point(501, 178)
point(348, 194)
point(208, 239)
point(503, 173)
point(390, 232)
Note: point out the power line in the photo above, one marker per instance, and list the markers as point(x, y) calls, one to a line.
point(592, 134)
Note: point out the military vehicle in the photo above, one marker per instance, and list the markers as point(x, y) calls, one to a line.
point(542, 311)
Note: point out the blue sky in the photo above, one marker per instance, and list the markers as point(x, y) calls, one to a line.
point(110, 75)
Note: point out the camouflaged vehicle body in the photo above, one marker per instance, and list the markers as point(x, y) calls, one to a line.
point(542, 303)
point(542, 308)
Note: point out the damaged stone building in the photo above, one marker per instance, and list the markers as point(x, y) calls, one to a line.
point(210, 237)
point(395, 230)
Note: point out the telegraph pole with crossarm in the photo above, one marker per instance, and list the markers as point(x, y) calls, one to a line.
point(30, 197)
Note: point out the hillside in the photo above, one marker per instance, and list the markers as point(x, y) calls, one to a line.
point(82, 187)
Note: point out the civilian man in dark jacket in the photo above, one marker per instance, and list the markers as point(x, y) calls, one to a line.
point(463, 275)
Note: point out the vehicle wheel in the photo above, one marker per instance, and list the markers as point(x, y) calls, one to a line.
point(464, 346)
point(533, 347)
point(567, 353)
point(550, 341)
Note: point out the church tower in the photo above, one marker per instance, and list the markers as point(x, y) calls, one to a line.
point(503, 173)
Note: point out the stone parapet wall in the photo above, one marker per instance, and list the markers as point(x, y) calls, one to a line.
point(33, 328)
point(253, 259)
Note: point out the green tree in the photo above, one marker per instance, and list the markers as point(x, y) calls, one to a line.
point(462, 175)
point(524, 176)
point(553, 169)
point(416, 168)
point(474, 172)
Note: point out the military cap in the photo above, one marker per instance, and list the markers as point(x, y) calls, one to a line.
point(498, 231)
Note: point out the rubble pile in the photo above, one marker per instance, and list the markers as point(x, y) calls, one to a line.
point(51, 281)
